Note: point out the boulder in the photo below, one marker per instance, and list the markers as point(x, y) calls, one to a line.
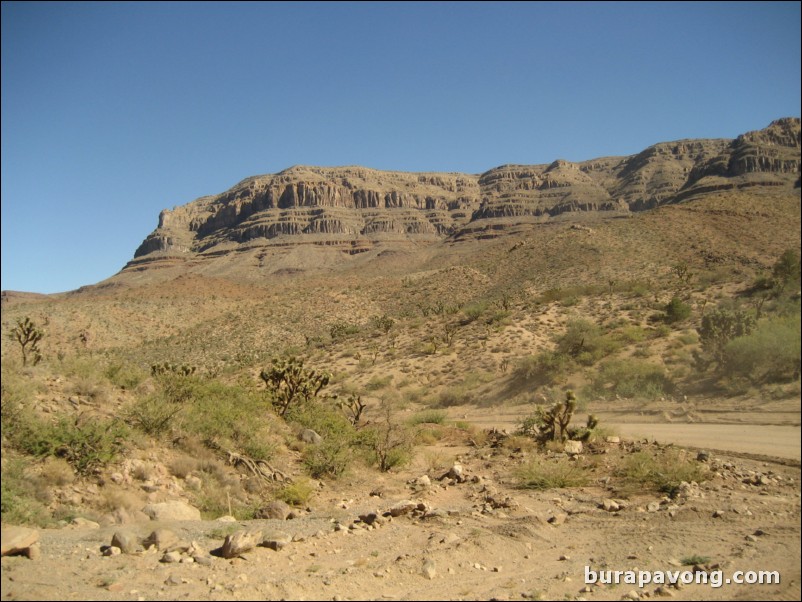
point(311, 437)
point(161, 539)
point(276, 510)
point(126, 541)
point(176, 510)
point(402, 507)
point(18, 540)
point(239, 543)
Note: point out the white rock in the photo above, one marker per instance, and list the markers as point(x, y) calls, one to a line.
point(17, 540)
point(240, 542)
point(176, 510)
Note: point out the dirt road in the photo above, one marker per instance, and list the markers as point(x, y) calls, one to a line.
point(747, 436)
point(769, 440)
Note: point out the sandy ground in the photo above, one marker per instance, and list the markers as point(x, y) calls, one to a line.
point(532, 545)
point(481, 539)
point(769, 440)
point(774, 434)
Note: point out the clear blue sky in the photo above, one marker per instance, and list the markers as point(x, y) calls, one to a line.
point(114, 111)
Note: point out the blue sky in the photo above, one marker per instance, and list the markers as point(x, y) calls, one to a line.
point(114, 111)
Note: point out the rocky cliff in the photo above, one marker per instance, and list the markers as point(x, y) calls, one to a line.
point(354, 209)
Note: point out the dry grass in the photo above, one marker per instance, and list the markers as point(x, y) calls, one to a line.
point(542, 473)
point(57, 472)
point(460, 318)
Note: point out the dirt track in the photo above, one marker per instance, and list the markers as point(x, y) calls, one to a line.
point(769, 440)
point(747, 436)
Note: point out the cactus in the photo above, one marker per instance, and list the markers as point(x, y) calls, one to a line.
point(584, 433)
point(683, 273)
point(384, 323)
point(553, 423)
point(353, 407)
point(289, 383)
point(168, 368)
point(28, 335)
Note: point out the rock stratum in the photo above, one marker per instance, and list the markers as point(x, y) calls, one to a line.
point(353, 210)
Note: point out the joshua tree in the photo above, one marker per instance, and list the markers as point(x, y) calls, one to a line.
point(289, 382)
point(552, 424)
point(353, 407)
point(555, 420)
point(28, 335)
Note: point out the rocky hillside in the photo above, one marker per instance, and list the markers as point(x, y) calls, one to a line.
point(350, 210)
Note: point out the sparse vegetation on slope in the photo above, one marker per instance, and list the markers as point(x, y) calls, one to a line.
point(395, 370)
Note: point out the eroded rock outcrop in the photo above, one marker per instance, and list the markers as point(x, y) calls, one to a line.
point(354, 209)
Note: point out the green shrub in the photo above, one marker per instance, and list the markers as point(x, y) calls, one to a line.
point(341, 330)
point(383, 323)
point(428, 417)
point(333, 456)
point(631, 334)
point(389, 445)
point(124, 376)
point(297, 493)
point(688, 338)
point(473, 311)
point(76, 367)
point(379, 382)
point(500, 317)
point(86, 445)
point(389, 442)
point(584, 341)
point(540, 473)
point(637, 288)
point(454, 396)
point(545, 368)
point(786, 269)
point(178, 388)
point(329, 459)
point(570, 295)
point(322, 418)
point(229, 417)
point(718, 328)
point(661, 330)
point(664, 473)
point(21, 502)
point(630, 378)
point(770, 353)
point(676, 310)
point(14, 411)
point(152, 415)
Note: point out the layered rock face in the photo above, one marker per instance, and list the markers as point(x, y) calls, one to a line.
point(335, 206)
point(353, 209)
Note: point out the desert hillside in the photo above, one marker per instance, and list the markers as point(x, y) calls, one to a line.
point(307, 217)
point(343, 383)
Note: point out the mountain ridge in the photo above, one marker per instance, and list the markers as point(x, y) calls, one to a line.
point(353, 209)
